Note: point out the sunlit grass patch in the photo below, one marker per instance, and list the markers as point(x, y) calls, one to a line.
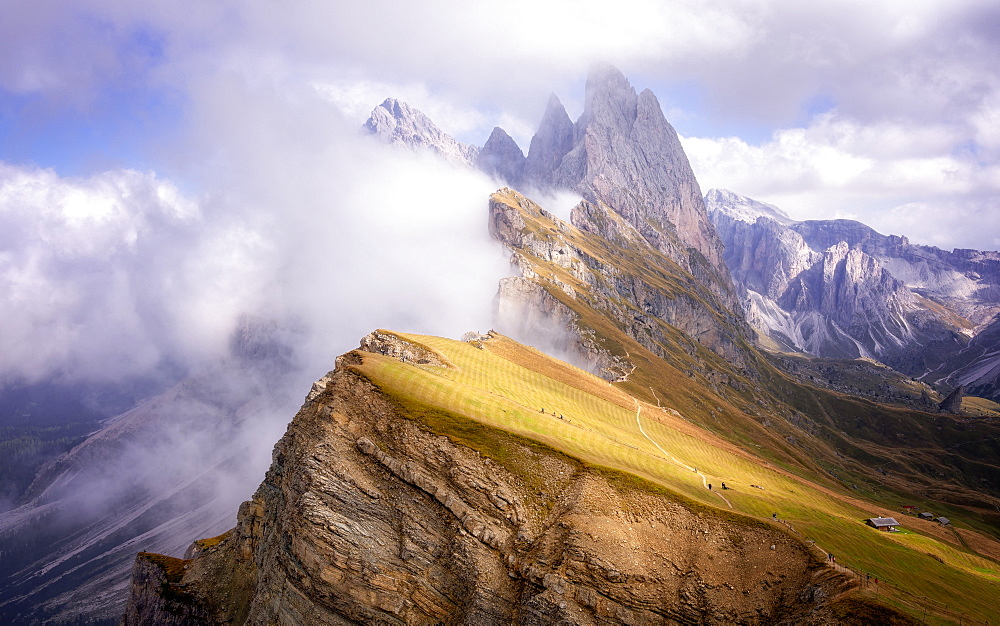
point(505, 392)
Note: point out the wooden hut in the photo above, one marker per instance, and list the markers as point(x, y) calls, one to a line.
point(887, 524)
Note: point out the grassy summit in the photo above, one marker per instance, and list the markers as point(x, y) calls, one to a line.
point(495, 389)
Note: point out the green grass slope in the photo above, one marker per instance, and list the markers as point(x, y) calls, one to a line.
point(505, 387)
point(893, 454)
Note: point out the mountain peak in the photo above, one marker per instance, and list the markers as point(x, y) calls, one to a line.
point(396, 122)
point(743, 208)
point(603, 74)
point(555, 138)
point(502, 157)
point(609, 98)
point(499, 135)
point(554, 105)
point(623, 152)
point(386, 117)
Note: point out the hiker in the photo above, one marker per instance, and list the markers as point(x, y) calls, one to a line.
point(724, 486)
point(709, 486)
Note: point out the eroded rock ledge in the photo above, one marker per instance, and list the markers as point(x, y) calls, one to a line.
point(366, 516)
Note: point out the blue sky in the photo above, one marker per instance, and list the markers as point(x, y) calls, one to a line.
point(119, 128)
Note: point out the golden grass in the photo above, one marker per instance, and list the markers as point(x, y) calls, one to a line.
point(980, 407)
point(211, 542)
point(506, 386)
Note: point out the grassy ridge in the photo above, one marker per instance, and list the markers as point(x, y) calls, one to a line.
point(505, 386)
point(842, 441)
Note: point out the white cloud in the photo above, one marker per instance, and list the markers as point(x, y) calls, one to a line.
point(108, 276)
point(876, 173)
point(300, 218)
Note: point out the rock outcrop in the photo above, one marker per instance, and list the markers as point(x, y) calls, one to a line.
point(396, 122)
point(953, 403)
point(606, 266)
point(366, 516)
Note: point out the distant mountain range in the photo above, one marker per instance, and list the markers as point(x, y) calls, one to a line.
point(838, 289)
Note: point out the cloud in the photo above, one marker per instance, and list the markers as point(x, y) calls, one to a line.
point(265, 180)
point(298, 217)
point(262, 196)
point(839, 167)
point(83, 279)
point(282, 209)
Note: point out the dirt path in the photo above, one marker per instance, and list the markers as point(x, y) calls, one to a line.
point(625, 376)
point(672, 458)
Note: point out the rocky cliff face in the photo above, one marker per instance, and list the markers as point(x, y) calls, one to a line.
point(629, 156)
point(763, 255)
point(396, 122)
point(366, 516)
point(607, 266)
point(624, 154)
point(851, 290)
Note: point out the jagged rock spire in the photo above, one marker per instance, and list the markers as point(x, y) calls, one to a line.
point(555, 138)
point(395, 121)
point(502, 157)
point(624, 153)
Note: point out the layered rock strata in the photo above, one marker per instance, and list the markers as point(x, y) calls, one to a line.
point(367, 516)
point(607, 266)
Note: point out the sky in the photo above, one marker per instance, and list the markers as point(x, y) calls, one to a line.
point(165, 167)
